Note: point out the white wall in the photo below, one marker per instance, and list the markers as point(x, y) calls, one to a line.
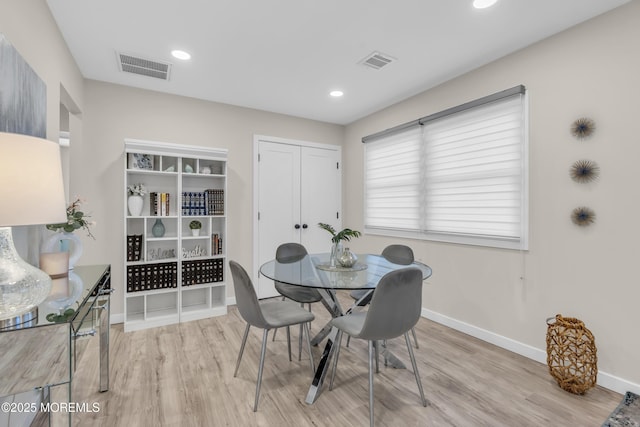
point(591, 70)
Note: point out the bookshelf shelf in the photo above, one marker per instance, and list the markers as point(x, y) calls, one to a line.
point(175, 277)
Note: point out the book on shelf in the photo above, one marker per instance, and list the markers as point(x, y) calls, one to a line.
point(134, 247)
point(145, 277)
point(202, 271)
point(216, 244)
point(207, 202)
point(159, 204)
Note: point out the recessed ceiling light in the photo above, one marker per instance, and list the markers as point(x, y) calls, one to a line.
point(181, 54)
point(482, 4)
point(336, 93)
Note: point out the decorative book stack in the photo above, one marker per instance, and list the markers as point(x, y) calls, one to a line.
point(159, 204)
point(207, 202)
point(202, 271)
point(146, 277)
point(216, 244)
point(134, 247)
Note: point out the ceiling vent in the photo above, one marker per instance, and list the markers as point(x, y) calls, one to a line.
point(144, 67)
point(377, 60)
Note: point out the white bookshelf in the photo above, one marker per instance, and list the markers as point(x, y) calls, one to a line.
point(175, 277)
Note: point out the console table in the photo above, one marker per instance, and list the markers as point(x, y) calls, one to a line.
point(41, 353)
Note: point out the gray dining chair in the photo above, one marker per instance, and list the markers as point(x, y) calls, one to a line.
point(265, 315)
point(394, 309)
point(287, 253)
point(397, 254)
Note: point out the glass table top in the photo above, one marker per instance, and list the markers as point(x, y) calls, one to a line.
point(313, 271)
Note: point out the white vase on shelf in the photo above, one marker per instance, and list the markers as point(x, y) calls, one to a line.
point(134, 203)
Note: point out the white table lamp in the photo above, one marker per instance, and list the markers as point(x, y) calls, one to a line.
point(31, 192)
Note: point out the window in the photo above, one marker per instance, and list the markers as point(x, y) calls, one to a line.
point(456, 176)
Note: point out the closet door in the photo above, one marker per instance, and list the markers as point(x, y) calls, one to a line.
point(319, 196)
point(278, 203)
point(298, 187)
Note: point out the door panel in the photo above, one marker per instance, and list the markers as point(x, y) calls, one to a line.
point(320, 196)
point(279, 203)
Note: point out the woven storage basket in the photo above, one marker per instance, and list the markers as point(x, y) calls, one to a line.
point(571, 354)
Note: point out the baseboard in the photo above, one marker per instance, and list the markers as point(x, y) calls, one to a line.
point(231, 301)
point(116, 318)
point(611, 382)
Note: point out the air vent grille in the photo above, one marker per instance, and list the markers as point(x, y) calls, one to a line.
point(377, 60)
point(144, 67)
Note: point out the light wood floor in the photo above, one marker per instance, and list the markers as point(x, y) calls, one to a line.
point(182, 375)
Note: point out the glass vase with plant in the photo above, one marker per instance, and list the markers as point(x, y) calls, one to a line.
point(337, 238)
point(76, 219)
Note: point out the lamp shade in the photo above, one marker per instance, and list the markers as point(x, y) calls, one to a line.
point(31, 192)
point(31, 186)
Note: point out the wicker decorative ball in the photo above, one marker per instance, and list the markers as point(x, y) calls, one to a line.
point(571, 354)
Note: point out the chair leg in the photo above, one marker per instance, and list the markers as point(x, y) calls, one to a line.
point(244, 341)
point(348, 340)
point(376, 345)
point(289, 342)
point(313, 366)
point(265, 336)
point(415, 337)
point(371, 383)
point(335, 361)
point(415, 368)
point(300, 343)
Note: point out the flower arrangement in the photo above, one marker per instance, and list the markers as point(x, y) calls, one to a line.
point(136, 190)
point(195, 225)
point(336, 237)
point(76, 219)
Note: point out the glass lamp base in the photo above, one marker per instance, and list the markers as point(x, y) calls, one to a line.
point(22, 286)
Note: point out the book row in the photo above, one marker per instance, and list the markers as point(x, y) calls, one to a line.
point(202, 271)
point(147, 277)
point(207, 202)
point(159, 204)
point(216, 244)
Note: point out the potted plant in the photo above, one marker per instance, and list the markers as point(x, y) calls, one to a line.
point(195, 227)
point(337, 238)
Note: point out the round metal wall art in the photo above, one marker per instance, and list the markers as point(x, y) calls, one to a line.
point(583, 128)
point(584, 171)
point(583, 216)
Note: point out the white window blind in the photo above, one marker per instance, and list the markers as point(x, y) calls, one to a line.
point(458, 177)
point(392, 182)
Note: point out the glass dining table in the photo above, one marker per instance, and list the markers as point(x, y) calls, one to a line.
point(315, 271)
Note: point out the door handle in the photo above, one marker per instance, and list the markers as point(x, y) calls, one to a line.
point(297, 226)
point(305, 226)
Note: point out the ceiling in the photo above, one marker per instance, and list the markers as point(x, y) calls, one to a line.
point(285, 56)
